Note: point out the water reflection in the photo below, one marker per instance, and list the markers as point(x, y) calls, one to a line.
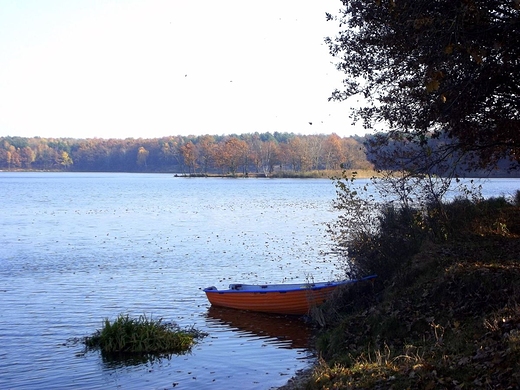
point(116, 360)
point(121, 360)
point(282, 331)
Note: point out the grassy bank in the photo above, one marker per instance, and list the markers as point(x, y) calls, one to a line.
point(448, 317)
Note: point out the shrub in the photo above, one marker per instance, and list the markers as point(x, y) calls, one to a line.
point(373, 237)
point(385, 252)
point(516, 198)
point(465, 218)
point(378, 235)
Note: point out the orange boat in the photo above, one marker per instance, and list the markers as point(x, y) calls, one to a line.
point(294, 299)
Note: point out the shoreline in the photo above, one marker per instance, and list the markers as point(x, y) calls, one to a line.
point(298, 381)
point(325, 174)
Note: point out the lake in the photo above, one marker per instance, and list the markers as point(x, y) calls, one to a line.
point(80, 247)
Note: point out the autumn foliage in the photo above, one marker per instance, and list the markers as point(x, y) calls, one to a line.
point(237, 154)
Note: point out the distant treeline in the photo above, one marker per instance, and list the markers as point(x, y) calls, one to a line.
point(257, 153)
point(263, 153)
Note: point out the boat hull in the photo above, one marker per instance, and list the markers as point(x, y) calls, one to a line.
point(279, 299)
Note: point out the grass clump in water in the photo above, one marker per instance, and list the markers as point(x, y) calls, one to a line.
point(143, 335)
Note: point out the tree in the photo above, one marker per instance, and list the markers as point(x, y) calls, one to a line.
point(428, 69)
point(281, 157)
point(28, 156)
point(355, 156)
point(299, 154)
point(255, 151)
point(232, 154)
point(333, 152)
point(64, 160)
point(142, 156)
point(314, 146)
point(270, 150)
point(206, 146)
point(170, 152)
point(13, 158)
point(45, 157)
point(189, 153)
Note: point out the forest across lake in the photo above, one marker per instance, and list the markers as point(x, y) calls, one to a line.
point(246, 155)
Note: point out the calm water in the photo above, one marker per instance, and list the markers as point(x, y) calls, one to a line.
point(76, 248)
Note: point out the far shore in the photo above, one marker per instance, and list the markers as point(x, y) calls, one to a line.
point(325, 174)
point(316, 174)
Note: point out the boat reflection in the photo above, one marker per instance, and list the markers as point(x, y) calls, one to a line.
point(283, 331)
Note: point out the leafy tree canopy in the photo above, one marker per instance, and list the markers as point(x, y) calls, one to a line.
point(447, 69)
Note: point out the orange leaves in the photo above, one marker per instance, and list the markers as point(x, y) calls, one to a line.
point(189, 153)
point(232, 153)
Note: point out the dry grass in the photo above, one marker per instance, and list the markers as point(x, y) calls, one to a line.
point(450, 320)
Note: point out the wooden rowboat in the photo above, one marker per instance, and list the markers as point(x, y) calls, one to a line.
point(294, 299)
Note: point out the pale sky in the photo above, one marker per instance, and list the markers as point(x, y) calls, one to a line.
point(154, 68)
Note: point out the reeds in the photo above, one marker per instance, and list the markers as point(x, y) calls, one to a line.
point(142, 335)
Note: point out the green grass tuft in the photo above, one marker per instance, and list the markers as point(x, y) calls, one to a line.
point(143, 335)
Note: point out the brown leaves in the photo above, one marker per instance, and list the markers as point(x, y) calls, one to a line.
point(454, 322)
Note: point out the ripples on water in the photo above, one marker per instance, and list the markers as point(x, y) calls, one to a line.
point(76, 248)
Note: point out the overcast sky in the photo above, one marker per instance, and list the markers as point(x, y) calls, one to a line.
point(153, 68)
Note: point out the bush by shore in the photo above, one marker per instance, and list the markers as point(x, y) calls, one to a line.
point(447, 316)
